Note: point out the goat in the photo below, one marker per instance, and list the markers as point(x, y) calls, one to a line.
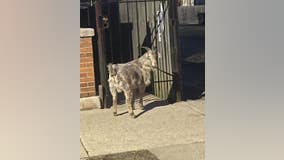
point(130, 77)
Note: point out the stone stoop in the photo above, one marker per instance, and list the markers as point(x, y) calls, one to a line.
point(88, 103)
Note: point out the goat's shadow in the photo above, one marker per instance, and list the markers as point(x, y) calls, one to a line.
point(120, 114)
point(151, 106)
point(151, 103)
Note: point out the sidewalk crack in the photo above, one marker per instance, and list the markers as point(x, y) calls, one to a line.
point(85, 149)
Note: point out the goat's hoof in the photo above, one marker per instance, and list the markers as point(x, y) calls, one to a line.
point(141, 107)
point(115, 113)
point(132, 115)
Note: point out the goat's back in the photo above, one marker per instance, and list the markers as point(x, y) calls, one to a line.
point(127, 76)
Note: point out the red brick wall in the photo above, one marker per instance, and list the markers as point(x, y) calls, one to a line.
point(87, 77)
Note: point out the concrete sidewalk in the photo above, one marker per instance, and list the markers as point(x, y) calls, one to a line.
point(161, 131)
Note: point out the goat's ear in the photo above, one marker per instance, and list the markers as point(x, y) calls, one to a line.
point(147, 54)
point(109, 66)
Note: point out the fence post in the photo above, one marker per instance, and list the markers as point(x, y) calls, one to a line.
point(101, 51)
point(173, 15)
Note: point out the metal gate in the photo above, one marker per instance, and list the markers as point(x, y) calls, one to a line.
point(124, 26)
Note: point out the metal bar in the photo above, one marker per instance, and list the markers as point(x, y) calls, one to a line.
point(163, 53)
point(88, 14)
point(165, 48)
point(161, 43)
point(110, 34)
point(146, 12)
point(156, 45)
point(134, 31)
point(129, 36)
point(159, 91)
point(169, 59)
point(138, 30)
point(119, 35)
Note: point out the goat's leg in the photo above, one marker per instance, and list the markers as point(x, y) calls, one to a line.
point(114, 105)
point(141, 94)
point(114, 101)
point(133, 102)
point(129, 97)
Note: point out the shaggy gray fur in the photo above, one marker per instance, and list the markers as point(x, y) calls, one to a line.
point(130, 77)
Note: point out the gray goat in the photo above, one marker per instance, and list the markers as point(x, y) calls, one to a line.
point(131, 77)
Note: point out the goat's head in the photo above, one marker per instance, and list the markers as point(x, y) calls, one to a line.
point(152, 55)
point(112, 69)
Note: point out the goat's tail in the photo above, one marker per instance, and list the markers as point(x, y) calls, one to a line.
point(112, 69)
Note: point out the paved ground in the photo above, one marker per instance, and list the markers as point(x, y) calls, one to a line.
point(161, 131)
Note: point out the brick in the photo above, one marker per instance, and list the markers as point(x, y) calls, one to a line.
point(90, 64)
point(87, 89)
point(86, 39)
point(86, 80)
point(84, 84)
point(83, 75)
point(86, 70)
point(87, 65)
point(82, 55)
point(83, 65)
point(87, 94)
point(86, 50)
point(82, 95)
point(90, 74)
point(86, 54)
point(86, 59)
point(92, 93)
point(89, 46)
point(90, 84)
point(86, 44)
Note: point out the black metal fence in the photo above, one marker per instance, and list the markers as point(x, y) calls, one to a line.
point(124, 26)
point(87, 14)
